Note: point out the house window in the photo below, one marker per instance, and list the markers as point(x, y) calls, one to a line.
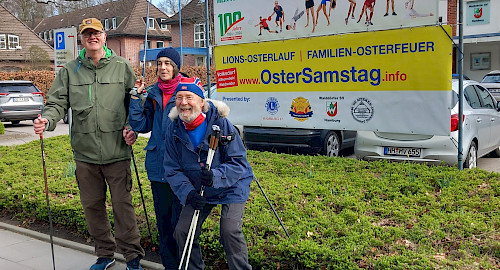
point(45, 35)
point(159, 44)
point(199, 35)
point(13, 42)
point(199, 60)
point(151, 23)
point(114, 23)
point(163, 26)
point(50, 34)
point(3, 42)
point(148, 45)
point(106, 24)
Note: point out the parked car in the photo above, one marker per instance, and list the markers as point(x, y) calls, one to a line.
point(213, 91)
point(19, 100)
point(492, 82)
point(326, 142)
point(481, 129)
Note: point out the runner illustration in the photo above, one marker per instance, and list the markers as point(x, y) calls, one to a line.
point(411, 13)
point(333, 4)
point(322, 6)
point(280, 15)
point(352, 7)
point(310, 8)
point(263, 25)
point(368, 5)
point(295, 17)
point(387, 9)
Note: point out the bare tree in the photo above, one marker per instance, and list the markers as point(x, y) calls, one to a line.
point(171, 7)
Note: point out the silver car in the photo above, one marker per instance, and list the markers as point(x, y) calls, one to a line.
point(492, 82)
point(481, 134)
point(19, 100)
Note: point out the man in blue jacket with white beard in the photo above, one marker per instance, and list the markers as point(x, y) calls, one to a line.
point(226, 183)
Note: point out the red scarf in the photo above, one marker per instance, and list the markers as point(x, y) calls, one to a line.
point(168, 87)
point(196, 123)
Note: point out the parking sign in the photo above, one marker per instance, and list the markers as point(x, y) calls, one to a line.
point(60, 43)
point(64, 46)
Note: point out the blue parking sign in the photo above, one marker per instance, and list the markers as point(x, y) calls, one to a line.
point(59, 42)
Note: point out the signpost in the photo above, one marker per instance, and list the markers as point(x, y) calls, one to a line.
point(65, 50)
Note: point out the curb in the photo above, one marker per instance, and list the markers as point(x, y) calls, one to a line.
point(70, 244)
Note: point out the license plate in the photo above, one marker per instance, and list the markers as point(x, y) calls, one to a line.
point(20, 99)
point(402, 151)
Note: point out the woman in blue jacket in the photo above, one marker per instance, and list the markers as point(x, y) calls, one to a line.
point(149, 113)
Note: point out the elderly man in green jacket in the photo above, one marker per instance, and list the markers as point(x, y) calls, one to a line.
point(96, 87)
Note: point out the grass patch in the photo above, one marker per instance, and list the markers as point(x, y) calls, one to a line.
point(341, 213)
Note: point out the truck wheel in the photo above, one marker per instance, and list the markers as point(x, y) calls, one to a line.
point(331, 145)
point(16, 122)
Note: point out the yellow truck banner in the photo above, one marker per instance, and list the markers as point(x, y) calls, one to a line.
point(245, 21)
point(392, 81)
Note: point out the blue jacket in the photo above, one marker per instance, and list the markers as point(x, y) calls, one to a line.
point(151, 116)
point(232, 172)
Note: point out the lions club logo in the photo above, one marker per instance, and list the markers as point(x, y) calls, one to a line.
point(272, 105)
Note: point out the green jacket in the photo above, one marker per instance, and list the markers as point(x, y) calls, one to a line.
point(98, 97)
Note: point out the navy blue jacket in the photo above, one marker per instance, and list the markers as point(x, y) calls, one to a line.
point(151, 116)
point(232, 172)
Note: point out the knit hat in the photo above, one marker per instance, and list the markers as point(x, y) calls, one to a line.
point(192, 85)
point(172, 54)
point(91, 23)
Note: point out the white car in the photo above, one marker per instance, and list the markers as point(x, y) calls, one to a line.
point(492, 82)
point(481, 134)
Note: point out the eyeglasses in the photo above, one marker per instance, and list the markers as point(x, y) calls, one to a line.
point(89, 34)
point(181, 98)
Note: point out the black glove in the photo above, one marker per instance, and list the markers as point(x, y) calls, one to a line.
point(207, 177)
point(196, 200)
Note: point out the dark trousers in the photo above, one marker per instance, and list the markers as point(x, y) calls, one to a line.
point(93, 181)
point(167, 210)
point(231, 235)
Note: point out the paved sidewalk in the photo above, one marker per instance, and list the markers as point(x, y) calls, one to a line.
point(22, 249)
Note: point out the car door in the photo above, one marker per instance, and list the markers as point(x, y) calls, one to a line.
point(480, 127)
point(489, 105)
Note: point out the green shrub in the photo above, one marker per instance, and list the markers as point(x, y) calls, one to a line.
point(341, 213)
point(2, 128)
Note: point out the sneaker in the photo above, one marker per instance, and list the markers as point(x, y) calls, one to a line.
point(387, 14)
point(103, 264)
point(134, 264)
point(394, 13)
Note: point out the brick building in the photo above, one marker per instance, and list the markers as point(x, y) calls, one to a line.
point(481, 35)
point(18, 42)
point(124, 22)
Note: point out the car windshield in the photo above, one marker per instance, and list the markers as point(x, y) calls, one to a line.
point(494, 78)
point(18, 88)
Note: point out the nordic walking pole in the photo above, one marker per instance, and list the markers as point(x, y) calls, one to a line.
point(47, 196)
point(140, 190)
point(214, 141)
point(272, 208)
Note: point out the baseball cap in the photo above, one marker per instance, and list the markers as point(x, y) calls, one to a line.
point(92, 23)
